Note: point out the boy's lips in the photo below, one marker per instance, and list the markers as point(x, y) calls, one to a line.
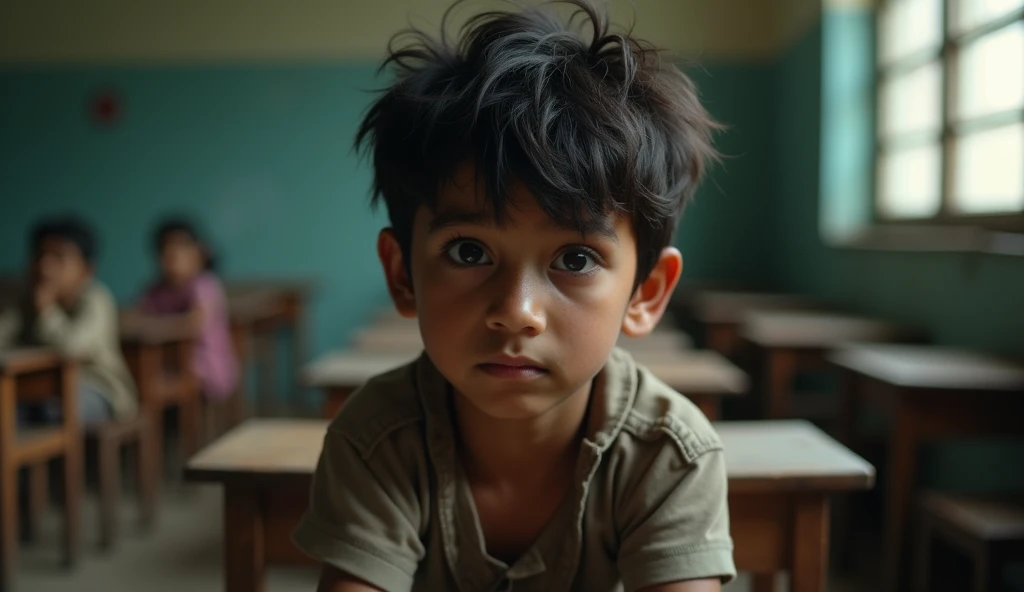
point(513, 367)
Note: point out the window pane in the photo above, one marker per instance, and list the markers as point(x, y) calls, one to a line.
point(968, 14)
point(911, 102)
point(909, 26)
point(990, 74)
point(909, 182)
point(989, 171)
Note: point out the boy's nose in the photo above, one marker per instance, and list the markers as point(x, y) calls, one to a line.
point(518, 306)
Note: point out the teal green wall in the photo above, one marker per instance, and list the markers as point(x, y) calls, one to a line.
point(260, 154)
point(725, 233)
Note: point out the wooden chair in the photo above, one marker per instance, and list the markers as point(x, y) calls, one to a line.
point(109, 438)
point(158, 357)
point(989, 530)
point(26, 374)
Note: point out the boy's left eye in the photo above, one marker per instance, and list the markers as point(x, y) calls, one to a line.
point(575, 262)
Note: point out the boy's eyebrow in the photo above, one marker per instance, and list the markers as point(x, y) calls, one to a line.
point(458, 216)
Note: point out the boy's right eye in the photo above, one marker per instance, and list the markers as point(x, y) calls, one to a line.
point(467, 252)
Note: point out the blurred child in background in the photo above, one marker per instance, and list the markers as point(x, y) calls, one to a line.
point(66, 308)
point(187, 286)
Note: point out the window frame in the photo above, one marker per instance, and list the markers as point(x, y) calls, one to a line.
point(945, 54)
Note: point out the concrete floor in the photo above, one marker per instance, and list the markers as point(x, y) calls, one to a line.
point(182, 553)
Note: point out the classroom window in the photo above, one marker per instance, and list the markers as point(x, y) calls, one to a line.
point(950, 117)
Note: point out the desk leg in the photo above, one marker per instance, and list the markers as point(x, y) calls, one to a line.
point(810, 544)
point(721, 338)
point(73, 474)
point(333, 400)
point(8, 485)
point(709, 405)
point(762, 582)
point(903, 446)
point(780, 369)
point(244, 559)
point(38, 498)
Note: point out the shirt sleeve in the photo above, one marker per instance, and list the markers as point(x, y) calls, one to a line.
point(10, 324)
point(363, 517)
point(208, 295)
point(676, 522)
point(83, 334)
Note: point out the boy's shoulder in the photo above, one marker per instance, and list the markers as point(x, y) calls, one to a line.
point(387, 404)
point(658, 411)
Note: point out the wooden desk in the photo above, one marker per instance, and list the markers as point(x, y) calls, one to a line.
point(780, 477)
point(705, 377)
point(930, 394)
point(159, 356)
point(721, 312)
point(37, 374)
point(339, 373)
point(262, 306)
point(792, 341)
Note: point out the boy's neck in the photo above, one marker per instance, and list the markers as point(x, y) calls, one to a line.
point(502, 451)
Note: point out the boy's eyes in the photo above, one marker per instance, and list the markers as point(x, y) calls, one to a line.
point(468, 252)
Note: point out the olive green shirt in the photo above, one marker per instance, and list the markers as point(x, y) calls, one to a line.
point(88, 332)
point(391, 505)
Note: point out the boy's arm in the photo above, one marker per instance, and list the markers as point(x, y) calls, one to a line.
point(82, 335)
point(334, 580)
point(10, 323)
point(363, 518)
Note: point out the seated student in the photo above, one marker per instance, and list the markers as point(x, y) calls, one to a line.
point(66, 308)
point(533, 177)
point(188, 286)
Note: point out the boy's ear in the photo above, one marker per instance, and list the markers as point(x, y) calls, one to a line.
point(399, 283)
point(652, 296)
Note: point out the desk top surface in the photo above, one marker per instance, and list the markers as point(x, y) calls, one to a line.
point(730, 306)
point(28, 359)
point(931, 367)
point(760, 456)
point(818, 329)
point(136, 327)
point(688, 371)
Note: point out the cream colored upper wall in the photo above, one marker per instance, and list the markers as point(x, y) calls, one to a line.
point(148, 31)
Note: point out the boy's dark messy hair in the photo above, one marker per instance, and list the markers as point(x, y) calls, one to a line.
point(68, 228)
point(592, 122)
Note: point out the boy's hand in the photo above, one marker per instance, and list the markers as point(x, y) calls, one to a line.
point(44, 296)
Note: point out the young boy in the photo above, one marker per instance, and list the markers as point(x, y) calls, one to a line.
point(65, 308)
point(533, 175)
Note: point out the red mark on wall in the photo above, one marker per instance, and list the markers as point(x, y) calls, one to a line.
point(106, 108)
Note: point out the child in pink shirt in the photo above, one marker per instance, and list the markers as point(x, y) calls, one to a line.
point(187, 286)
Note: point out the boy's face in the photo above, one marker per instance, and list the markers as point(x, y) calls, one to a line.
point(181, 258)
point(521, 317)
point(60, 267)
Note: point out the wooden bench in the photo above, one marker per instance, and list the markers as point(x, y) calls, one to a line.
point(32, 374)
point(781, 476)
point(930, 394)
point(989, 530)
